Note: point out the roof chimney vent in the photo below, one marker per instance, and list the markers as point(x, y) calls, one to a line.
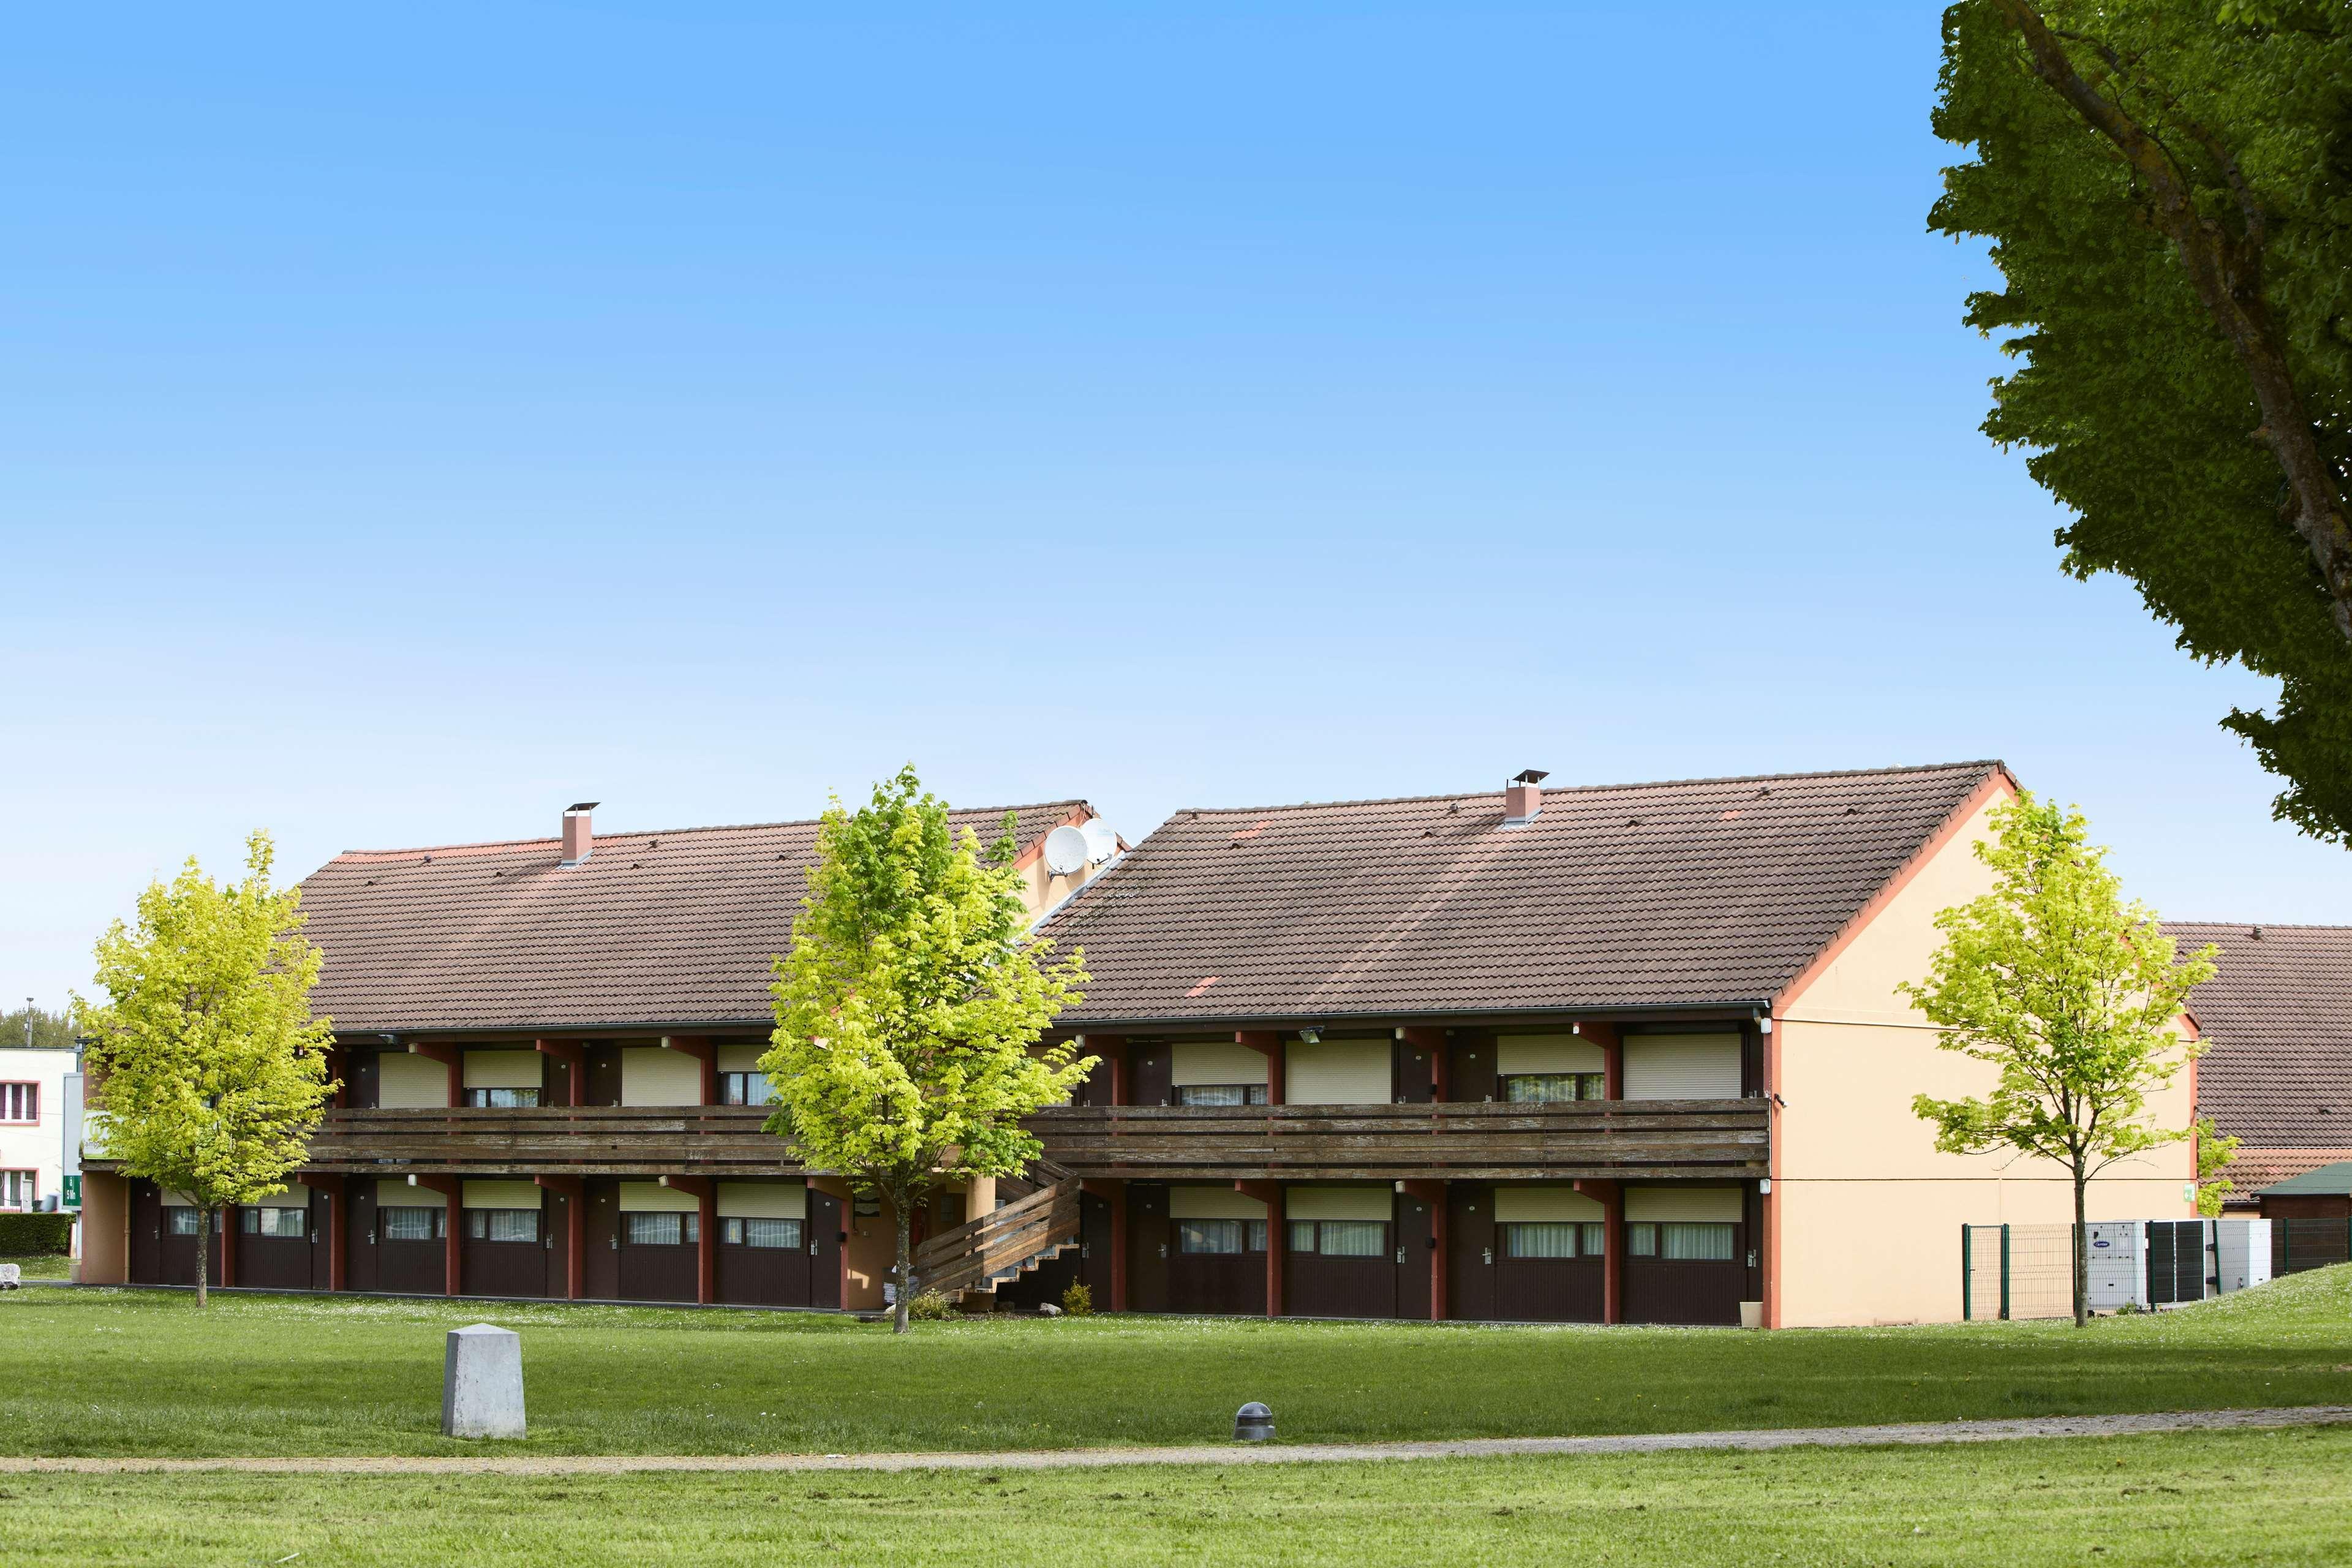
point(579, 836)
point(1524, 797)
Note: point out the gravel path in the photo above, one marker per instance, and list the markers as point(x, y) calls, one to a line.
point(1232, 1454)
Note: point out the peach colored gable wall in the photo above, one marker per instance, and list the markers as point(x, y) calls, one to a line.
point(1868, 1211)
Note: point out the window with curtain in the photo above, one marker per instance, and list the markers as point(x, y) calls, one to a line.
point(272, 1222)
point(1220, 1236)
point(502, 1224)
point(1685, 1240)
point(409, 1223)
point(1542, 1088)
point(1555, 1238)
point(661, 1229)
point(776, 1233)
point(502, 1098)
point(746, 1089)
point(180, 1221)
point(1339, 1237)
point(1221, 1094)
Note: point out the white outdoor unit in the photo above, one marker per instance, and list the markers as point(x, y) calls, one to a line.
point(2245, 1253)
point(2117, 1277)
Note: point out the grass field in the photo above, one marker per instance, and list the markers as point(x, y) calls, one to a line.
point(43, 1266)
point(144, 1373)
point(2269, 1498)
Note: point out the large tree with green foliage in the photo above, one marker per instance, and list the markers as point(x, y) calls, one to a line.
point(2167, 186)
point(2071, 994)
point(909, 1007)
point(210, 1069)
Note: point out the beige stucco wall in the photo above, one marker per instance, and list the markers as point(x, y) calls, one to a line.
point(1866, 1212)
point(105, 1229)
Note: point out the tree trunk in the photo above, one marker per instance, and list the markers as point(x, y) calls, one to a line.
point(204, 1250)
point(906, 1264)
point(2081, 1255)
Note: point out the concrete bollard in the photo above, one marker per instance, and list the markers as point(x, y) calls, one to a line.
point(1253, 1423)
point(482, 1383)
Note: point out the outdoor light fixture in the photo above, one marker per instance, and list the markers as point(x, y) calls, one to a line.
point(1311, 1036)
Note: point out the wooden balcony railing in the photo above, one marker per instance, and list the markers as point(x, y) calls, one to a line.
point(1631, 1139)
point(1720, 1139)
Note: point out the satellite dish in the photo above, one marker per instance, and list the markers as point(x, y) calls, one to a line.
point(1065, 850)
point(1101, 842)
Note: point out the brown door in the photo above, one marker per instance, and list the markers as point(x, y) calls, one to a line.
point(363, 1089)
point(558, 1210)
point(601, 1273)
point(554, 1082)
point(506, 1264)
point(603, 1074)
point(1470, 1238)
point(826, 1232)
point(1147, 1247)
point(412, 1251)
point(359, 1237)
point(146, 1233)
point(1094, 1251)
point(1470, 1074)
point(1416, 1242)
point(1416, 1074)
point(323, 1239)
point(1154, 1068)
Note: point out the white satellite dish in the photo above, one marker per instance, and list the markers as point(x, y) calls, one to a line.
point(1065, 850)
point(1101, 842)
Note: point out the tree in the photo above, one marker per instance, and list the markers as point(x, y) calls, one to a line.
point(2168, 191)
point(210, 1069)
point(907, 1009)
point(38, 1027)
point(2071, 992)
point(2214, 1154)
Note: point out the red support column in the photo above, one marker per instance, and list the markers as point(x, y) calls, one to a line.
point(1115, 1193)
point(706, 1249)
point(449, 1057)
point(1611, 1197)
point(575, 1066)
point(1433, 1195)
point(453, 1265)
point(228, 1233)
point(1277, 1236)
point(1270, 1044)
point(1613, 1054)
point(335, 1074)
point(338, 1209)
point(574, 1193)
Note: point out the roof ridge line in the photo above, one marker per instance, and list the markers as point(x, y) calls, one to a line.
point(673, 832)
point(1596, 789)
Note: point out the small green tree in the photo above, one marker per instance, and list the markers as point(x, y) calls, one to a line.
point(210, 1069)
point(908, 1007)
point(2071, 992)
point(2214, 1154)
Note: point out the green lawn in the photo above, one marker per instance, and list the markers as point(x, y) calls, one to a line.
point(2268, 1498)
point(105, 1372)
point(43, 1266)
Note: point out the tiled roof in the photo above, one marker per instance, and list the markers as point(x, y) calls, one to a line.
point(2333, 1180)
point(675, 927)
point(2278, 1012)
point(1695, 893)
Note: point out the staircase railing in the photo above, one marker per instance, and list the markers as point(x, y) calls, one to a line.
point(971, 1256)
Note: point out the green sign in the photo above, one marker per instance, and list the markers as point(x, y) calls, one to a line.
point(73, 1192)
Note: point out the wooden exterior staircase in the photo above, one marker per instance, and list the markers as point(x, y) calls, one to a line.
point(981, 1254)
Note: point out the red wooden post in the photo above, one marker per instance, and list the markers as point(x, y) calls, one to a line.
point(1270, 1044)
point(575, 1066)
point(339, 1208)
point(1611, 1195)
point(705, 1248)
point(453, 1266)
point(230, 1214)
point(1276, 1235)
point(1612, 1057)
point(1433, 1195)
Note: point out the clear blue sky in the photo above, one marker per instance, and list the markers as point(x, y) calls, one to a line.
point(410, 426)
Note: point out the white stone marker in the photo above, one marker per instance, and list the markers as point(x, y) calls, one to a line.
point(482, 1383)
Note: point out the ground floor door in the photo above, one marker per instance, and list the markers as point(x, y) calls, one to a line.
point(146, 1259)
point(1470, 1245)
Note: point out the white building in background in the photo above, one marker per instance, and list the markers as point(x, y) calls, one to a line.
point(32, 1118)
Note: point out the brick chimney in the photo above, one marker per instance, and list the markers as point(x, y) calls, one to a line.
point(579, 838)
point(1522, 798)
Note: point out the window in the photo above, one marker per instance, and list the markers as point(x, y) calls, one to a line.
point(415, 1224)
point(1220, 1236)
point(662, 1229)
point(178, 1219)
point(746, 1089)
point(271, 1221)
point(17, 1189)
point(1555, 1238)
point(1339, 1237)
point(20, 1102)
point(502, 1224)
point(1540, 1088)
point(1222, 1094)
point(502, 1098)
point(782, 1233)
point(1683, 1240)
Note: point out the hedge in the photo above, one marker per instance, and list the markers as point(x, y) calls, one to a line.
point(35, 1234)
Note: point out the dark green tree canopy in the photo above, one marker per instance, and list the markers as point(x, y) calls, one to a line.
point(2168, 188)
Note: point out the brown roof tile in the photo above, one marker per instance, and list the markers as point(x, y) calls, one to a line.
point(2278, 1012)
point(1703, 893)
point(674, 927)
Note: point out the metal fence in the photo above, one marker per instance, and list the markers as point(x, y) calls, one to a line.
point(2300, 1244)
point(2017, 1271)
